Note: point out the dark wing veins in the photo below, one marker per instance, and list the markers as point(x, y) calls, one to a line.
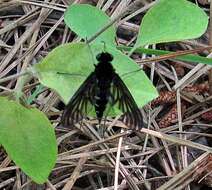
point(122, 97)
point(76, 109)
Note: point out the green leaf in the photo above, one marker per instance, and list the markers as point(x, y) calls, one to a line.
point(65, 68)
point(86, 20)
point(28, 138)
point(78, 60)
point(169, 21)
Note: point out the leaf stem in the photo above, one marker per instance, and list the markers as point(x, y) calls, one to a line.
point(14, 76)
point(132, 7)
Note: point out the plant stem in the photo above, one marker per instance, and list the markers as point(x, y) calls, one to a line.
point(14, 76)
point(132, 7)
point(210, 43)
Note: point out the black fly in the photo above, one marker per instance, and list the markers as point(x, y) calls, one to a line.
point(102, 87)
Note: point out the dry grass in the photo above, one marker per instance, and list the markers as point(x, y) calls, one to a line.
point(175, 155)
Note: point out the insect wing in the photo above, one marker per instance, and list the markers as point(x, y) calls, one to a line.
point(122, 97)
point(77, 108)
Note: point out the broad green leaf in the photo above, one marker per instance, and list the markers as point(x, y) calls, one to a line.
point(171, 20)
point(86, 20)
point(78, 60)
point(65, 68)
point(28, 138)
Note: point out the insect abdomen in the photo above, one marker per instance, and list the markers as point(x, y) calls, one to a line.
point(101, 99)
point(104, 73)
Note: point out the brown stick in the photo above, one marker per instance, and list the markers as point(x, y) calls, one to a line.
point(210, 43)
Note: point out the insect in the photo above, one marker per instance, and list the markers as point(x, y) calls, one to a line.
point(102, 87)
